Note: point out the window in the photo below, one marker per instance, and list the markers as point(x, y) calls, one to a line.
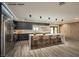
point(54, 29)
point(35, 28)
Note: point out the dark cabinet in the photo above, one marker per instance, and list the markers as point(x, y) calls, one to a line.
point(21, 37)
point(22, 25)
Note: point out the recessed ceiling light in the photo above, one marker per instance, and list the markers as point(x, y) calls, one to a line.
point(75, 18)
point(49, 18)
point(30, 15)
point(62, 20)
point(40, 16)
point(56, 19)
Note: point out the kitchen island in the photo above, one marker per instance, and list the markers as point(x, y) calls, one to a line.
point(42, 40)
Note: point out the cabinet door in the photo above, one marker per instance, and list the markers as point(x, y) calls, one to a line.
point(22, 25)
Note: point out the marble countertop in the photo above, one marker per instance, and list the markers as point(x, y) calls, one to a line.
point(46, 34)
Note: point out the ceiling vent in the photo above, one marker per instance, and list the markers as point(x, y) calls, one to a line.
point(61, 3)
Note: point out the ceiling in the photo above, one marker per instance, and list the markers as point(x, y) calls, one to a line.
point(69, 11)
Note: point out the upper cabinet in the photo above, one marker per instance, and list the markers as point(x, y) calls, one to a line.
point(22, 25)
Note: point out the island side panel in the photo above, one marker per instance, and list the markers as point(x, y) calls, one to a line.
point(29, 42)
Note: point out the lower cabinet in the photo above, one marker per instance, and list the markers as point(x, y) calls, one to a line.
point(21, 37)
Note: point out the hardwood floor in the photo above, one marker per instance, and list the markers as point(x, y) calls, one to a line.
point(69, 49)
